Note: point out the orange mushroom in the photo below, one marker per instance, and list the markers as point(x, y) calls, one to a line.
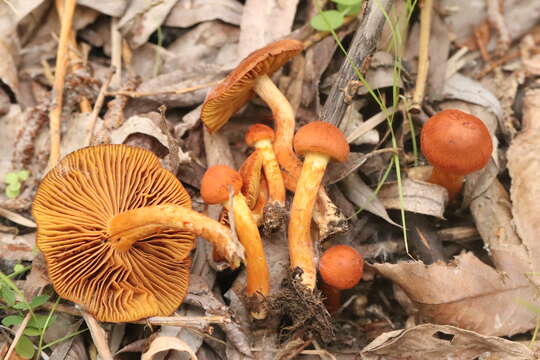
point(456, 144)
point(218, 183)
point(318, 142)
point(116, 230)
point(341, 267)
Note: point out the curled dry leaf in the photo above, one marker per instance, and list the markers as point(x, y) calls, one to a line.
point(142, 18)
point(113, 8)
point(524, 167)
point(167, 343)
point(418, 196)
point(428, 341)
point(187, 13)
point(362, 196)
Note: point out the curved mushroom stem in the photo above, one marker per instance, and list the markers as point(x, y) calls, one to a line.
point(132, 225)
point(332, 297)
point(283, 122)
point(451, 182)
point(300, 244)
point(258, 283)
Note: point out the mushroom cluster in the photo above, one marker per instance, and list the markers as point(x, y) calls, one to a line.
point(116, 228)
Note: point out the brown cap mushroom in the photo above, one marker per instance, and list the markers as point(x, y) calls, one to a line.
point(456, 144)
point(216, 185)
point(116, 231)
point(318, 142)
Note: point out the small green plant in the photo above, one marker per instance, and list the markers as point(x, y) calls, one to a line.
point(329, 20)
point(13, 303)
point(14, 180)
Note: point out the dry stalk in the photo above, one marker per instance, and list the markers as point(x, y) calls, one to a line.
point(184, 321)
point(18, 334)
point(99, 336)
point(136, 94)
point(59, 76)
point(423, 54)
point(97, 107)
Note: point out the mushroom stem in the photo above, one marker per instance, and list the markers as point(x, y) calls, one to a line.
point(128, 226)
point(276, 188)
point(451, 182)
point(300, 244)
point(258, 283)
point(284, 125)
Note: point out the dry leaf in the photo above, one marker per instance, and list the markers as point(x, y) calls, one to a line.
point(167, 343)
point(13, 11)
point(466, 293)
point(142, 18)
point(428, 341)
point(9, 124)
point(17, 247)
point(524, 167)
point(418, 196)
point(187, 13)
point(362, 196)
point(16, 218)
point(114, 8)
point(8, 68)
point(264, 22)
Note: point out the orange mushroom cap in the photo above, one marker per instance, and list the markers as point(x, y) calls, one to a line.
point(258, 132)
point(236, 89)
point(321, 137)
point(456, 142)
point(341, 267)
point(216, 182)
point(73, 207)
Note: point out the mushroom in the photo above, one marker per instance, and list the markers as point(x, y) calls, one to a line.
point(217, 184)
point(261, 137)
point(456, 144)
point(318, 142)
point(341, 267)
point(116, 230)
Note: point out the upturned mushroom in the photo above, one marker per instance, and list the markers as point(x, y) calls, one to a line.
point(261, 138)
point(116, 230)
point(341, 267)
point(218, 183)
point(319, 142)
point(456, 144)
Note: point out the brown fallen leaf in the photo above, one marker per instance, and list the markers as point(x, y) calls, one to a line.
point(430, 341)
point(113, 8)
point(167, 343)
point(17, 247)
point(524, 167)
point(187, 13)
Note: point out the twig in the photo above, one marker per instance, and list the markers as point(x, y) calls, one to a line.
point(59, 76)
point(362, 46)
point(423, 54)
point(97, 107)
point(135, 94)
point(116, 53)
point(18, 334)
point(320, 35)
point(184, 321)
point(99, 336)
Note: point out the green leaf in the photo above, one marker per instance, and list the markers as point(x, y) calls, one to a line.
point(327, 20)
point(11, 177)
point(21, 306)
point(350, 10)
point(25, 348)
point(39, 300)
point(30, 331)
point(18, 268)
point(23, 175)
point(11, 320)
point(8, 295)
point(38, 321)
point(12, 191)
point(347, 2)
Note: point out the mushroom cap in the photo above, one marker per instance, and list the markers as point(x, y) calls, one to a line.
point(456, 142)
point(217, 181)
point(258, 132)
point(73, 207)
point(321, 137)
point(341, 267)
point(236, 89)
